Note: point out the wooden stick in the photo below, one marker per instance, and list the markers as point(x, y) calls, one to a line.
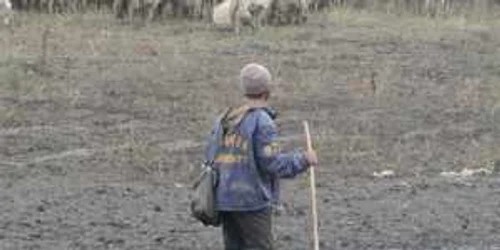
point(313, 192)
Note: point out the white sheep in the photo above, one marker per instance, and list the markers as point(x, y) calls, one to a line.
point(241, 12)
point(5, 4)
point(6, 11)
point(220, 14)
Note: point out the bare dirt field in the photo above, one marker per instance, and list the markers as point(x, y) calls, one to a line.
point(102, 125)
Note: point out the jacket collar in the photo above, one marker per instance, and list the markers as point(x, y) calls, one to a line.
point(233, 116)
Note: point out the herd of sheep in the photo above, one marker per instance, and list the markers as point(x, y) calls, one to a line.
point(225, 13)
point(228, 13)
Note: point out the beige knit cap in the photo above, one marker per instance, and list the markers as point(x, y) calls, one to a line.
point(255, 79)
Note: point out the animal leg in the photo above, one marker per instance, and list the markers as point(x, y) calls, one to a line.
point(153, 8)
point(131, 6)
point(234, 15)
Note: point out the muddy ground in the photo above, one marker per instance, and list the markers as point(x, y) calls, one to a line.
point(102, 128)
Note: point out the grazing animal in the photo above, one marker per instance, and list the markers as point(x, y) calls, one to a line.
point(5, 4)
point(208, 8)
point(130, 7)
point(285, 12)
point(248, 12)
point(220, 14)
point(6, 11)
point(20, 4)
point(229, 15)
point(433, 7)
point(188, 8)
point(316, 5)
point(53, 6)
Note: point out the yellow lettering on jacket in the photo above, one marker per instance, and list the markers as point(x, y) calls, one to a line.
point(235, 144)
point(272, 149)
point(228, 158)
point(233, 141)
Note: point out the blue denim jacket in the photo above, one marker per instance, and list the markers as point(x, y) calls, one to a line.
point(248, 158)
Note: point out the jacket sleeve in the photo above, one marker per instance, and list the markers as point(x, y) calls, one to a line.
point(269, 156)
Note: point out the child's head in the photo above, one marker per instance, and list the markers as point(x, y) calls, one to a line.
point(255, 81)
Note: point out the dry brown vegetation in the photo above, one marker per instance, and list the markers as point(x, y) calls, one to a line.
point(101, 124)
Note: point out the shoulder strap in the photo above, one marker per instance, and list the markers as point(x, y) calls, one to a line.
point(214, 140)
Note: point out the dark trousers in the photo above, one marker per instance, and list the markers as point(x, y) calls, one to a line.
point(247, 230)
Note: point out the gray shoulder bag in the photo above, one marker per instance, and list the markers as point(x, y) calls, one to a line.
point(203, 196)
point(202, 203)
